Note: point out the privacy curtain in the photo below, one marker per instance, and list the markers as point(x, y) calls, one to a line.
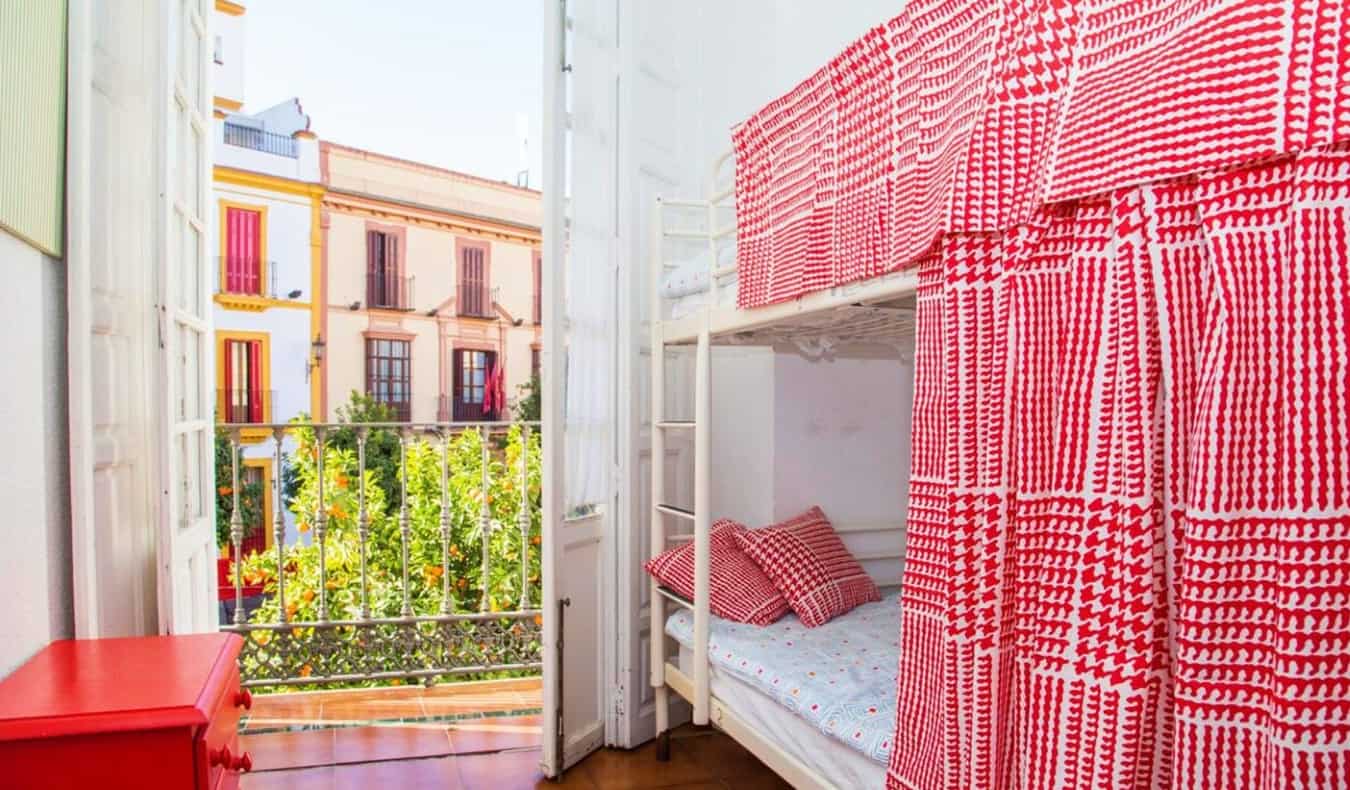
point(1129, 528)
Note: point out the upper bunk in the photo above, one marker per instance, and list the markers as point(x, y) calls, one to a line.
point(696, 281)
point(944, 122)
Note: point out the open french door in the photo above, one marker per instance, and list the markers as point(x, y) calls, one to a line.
point(142, 537)
point(652, 102)
point(187, 537)
point(577, 371)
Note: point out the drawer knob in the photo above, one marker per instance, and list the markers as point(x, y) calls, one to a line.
point(243, 763)
point(243, 699)
point(221, 757)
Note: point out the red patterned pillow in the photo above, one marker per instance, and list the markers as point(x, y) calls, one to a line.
point(739, 590)
point(811, 566)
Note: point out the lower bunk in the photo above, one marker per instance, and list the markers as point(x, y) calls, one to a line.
point(810, 703)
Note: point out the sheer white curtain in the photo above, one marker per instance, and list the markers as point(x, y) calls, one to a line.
point(588, 400)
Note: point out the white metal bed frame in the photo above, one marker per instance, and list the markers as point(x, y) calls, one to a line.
point(877, 310)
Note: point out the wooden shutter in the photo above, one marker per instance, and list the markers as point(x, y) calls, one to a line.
point(255, 393)
point(473, 281)
point(393, 282)
point(227, 383)
point(538, 289)
point(243, 251)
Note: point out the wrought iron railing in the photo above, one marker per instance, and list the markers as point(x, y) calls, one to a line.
point(259, 140)
point(243, 276)
point(389, 291)
point(245, 406)
point(477, 301)
point(380, 585)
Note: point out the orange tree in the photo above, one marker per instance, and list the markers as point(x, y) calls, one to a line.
point(427, 568)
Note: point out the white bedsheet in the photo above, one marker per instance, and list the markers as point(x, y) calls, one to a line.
point(827, 757)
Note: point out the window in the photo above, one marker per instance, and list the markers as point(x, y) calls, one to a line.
point(389, 374)
point(535, 363)
point(474, 299)
point(255, 481)
point(242, 265)
point(384, 281)
point(243, 399)
point(471, 383)
point(538, 288)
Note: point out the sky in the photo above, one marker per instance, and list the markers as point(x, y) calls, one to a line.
point(453, 83)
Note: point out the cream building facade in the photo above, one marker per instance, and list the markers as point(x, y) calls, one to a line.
point(431, 287)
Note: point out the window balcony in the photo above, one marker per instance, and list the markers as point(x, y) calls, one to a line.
point(389, 291)
point(244, 406)
point(259, 140)
point(477, 301)
point(246, 277)
point(416, 557)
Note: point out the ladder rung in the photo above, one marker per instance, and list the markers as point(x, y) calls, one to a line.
point(669, 594)
point(671, 510)
point(676, 424)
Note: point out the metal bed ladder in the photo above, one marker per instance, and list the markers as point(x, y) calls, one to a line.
point(661, 510)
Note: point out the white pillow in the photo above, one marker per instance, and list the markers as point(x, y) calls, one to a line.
point(691, 277)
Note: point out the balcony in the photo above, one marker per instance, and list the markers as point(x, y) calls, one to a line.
point(416, 560)
point(259, 140)
point(246, 277)
point(244, 406)
point(389, 291)
point(477, 301)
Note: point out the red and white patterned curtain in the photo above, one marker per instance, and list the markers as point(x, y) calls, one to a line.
point(1129, 529)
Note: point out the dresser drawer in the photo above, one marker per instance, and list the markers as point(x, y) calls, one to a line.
point(218, 745)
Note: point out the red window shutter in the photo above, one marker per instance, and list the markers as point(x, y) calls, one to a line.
point(394, 295)
point(255, 393)
point(227, 386)
point(243, 251)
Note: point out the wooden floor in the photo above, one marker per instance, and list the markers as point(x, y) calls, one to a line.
point(700, 760)
point(471, 735)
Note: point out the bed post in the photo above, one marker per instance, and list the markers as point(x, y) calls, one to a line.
point(702, 522)
point(656, 602)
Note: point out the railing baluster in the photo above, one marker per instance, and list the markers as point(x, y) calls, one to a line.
point(321, 529)
point(405, 523)
point(485, 524)
point(279, 525)
point(523, 517)
point(362, 519)
point(236, 530)
point(445, 522)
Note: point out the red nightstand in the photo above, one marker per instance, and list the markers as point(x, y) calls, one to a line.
point(152, 712)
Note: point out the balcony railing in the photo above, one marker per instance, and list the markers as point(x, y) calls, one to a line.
point(259, 140)
point(420, 561)
point(244, 406)
point(389, 291)
point(477, 301)
point(246, 276)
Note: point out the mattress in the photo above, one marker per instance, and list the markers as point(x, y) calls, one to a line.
point(685, 287)
point(839, 679)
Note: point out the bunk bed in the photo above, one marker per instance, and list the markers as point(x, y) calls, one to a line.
point(729, 672)
point(1015, 176)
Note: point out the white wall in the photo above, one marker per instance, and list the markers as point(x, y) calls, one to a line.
point(35, 566)
point(752, 51)
point(842, 437)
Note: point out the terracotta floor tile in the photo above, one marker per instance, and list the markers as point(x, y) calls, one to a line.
point(639, 768)
point(389, 742)
point(301, 749)
point(372, 709)
point(305, 779)
point(432, 774)
point(495, 733)
point(513, 770)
